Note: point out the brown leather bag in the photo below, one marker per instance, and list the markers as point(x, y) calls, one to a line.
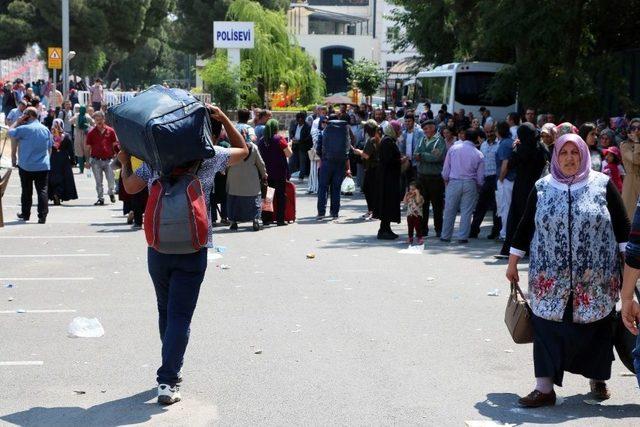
point(517, 316)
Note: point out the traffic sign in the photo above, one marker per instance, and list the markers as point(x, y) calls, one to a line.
point(55, 58)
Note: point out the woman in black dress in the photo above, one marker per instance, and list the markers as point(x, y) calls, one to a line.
point(62, 186)
point(388, 200)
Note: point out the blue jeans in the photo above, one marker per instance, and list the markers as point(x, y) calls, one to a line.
point(177, 280)
point(459, 195)
point(331, 175)
point(636, 358)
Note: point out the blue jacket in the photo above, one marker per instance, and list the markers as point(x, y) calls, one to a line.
point(418, 137)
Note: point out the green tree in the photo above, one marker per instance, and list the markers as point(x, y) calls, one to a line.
point(276, 60)
point(365, 75)
point(222, 81)
point(555, 53)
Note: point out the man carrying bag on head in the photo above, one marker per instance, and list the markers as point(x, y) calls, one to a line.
point(177, 254)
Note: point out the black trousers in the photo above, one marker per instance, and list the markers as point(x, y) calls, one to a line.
point(486, 202)
point(432, 190)
point(27, 180)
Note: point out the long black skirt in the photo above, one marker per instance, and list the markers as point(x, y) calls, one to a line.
point(580, 348)
point(61, 181)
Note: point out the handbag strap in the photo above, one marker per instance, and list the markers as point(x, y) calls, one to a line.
point(515, 288)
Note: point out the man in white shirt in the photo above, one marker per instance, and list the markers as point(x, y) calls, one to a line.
point(513, 119)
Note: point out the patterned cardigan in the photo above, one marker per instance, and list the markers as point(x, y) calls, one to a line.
point(576, 233)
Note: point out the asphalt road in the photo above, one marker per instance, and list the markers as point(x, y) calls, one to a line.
point(359, 335)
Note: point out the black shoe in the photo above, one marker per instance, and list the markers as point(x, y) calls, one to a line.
point(22, 217)
point(225, 221)
point(112, 198)
point(387, 235)
point(282, 223)
point(473, 236)
point(463, 241)
point(56, 200)
point(234, 226)
point(256, 225)
point(100, 202)
point(445, 240)
point(492, 236)
point(42, 220)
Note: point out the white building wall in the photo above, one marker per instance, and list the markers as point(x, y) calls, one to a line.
point(363, 46)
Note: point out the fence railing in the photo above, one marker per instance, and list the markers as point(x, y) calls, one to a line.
point(112, 97)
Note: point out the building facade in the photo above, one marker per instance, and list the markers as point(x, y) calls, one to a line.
point(334, 31)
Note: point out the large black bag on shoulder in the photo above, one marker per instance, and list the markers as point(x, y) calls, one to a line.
point(164, 127)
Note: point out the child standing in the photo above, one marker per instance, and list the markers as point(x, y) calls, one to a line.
point(414, 201)
point(612, 166)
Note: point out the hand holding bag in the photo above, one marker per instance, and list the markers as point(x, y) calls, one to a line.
point(517, 316)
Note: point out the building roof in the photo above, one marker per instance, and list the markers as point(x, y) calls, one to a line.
point(406, 66)
point(326, 15)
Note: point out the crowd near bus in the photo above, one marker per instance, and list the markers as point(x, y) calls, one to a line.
point(561, 194)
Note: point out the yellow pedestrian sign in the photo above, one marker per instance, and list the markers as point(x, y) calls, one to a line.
point(55, 58)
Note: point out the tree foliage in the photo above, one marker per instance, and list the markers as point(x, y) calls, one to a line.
point(276, 62)
point(366, 75)
point(556, 51)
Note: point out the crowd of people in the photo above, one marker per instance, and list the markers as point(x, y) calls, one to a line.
point(560, 194)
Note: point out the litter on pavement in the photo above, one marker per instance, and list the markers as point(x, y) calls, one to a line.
point(494, 293)
point(83, 327)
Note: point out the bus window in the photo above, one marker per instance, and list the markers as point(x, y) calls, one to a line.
point(471, 89)
point(432, 89)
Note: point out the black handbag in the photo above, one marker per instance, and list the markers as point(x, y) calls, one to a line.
point(623, 340)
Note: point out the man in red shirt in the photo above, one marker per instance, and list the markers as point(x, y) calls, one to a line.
point(102, 142)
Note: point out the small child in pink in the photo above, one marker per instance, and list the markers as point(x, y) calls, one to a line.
point(414, 201)
point(612, 166)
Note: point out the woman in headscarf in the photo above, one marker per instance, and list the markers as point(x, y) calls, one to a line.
point(631, 160)
point(576, 226)
point(548, 138)
point(243, 189)
point(387, 207)
point(528, 160)
point(275, 150)
point(81, 121)
point(48, 121)
point(62, 186)
point(607, 138)
point(589, 134)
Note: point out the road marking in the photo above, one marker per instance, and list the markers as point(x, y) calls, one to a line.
point(86, 236)
point(38, 279)
point(51, 255)
point(23, 363)
point(22, 311)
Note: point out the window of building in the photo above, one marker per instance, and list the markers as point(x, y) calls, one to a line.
point(393, 34)
point(337, 60)
point(391, 64)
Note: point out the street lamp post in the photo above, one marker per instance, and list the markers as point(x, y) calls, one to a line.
point(65, 48)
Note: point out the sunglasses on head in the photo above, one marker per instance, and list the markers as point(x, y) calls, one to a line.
point(634, 128)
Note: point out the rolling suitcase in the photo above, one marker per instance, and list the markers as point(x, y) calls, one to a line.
point(290, 208)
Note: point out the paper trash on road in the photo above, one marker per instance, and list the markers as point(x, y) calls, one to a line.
point(221, 249)
point(412, 250)
point(311, 256)
point(9, 285)
point(494, 293)
point(83, 327)
point(224, 267)
point(214, 256)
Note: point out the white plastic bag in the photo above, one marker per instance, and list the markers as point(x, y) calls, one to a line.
point(348, 186)
point(82, 327)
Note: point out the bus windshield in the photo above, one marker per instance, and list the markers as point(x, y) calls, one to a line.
point(471, 89)
point(433, 89)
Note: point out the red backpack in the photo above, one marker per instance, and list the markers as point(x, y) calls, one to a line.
point(175, 219)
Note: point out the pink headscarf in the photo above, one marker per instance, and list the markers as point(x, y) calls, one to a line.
point(585, 160)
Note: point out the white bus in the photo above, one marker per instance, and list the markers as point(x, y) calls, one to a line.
point(462, 85)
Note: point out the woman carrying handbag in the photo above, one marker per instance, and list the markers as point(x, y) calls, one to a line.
point(576, 227)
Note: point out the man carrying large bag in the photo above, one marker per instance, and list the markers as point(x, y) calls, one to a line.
point(177, 254)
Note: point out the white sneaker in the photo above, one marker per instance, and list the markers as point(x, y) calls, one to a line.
point(168, 395)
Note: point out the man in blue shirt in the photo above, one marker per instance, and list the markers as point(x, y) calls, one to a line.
point(487, 199)
point(15, 113)
point(31, 154)
point(505, 176)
